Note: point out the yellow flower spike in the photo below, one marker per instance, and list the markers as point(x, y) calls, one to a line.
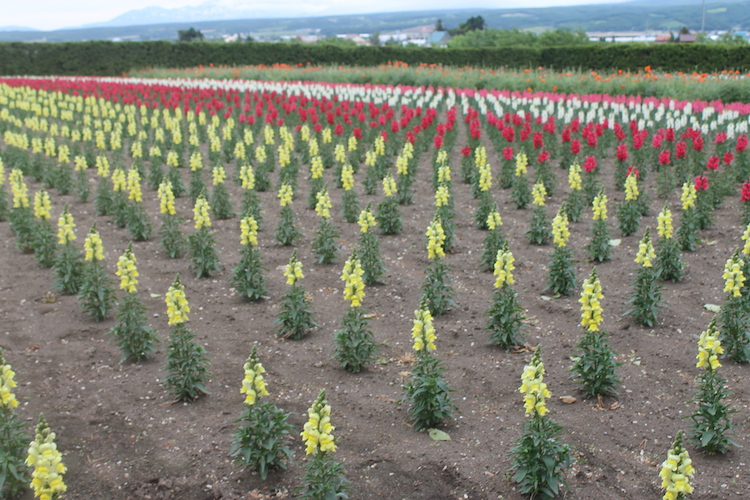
point(504, 267)
point(442, 196)
point(485, 177)
point(7, 384)
point(166, 198)
point(351, 144)
point(646, 251)
point(177, 304)
point(444, 173)
point(173, 160)
point(219, 175)
point(494, 220)
point(366, 220)
point(379, 145)
point(676, 471)
point(522, 162)
point(435, 240)
point(442, 158)
point(734, 277)
point(574, 177)
point(92, 246)
point(42, 205)
point(539, 194)
point(316, 167)
point(664, 223)
point(312, 147)
point(248, 231)
point(127, 270)
point(591, 308)
point(688, 196)
point(746, 239)
point(201, 212)
point(709, 348)
point(134, 185)
point(102, 166)
point(318, 431)
point(65, 226)
point(285, 194)
point(293, 270)
point(247, 176)
point(423, 332)
point(354, 287)
point(533, 387)
point(19, 189)
point(119, 180)
point(323, 205)
point(347, 177)
point(560, 231)
point(253, 385)
point(631, 187)
point(80, 163)
point(339, 153)
point(46, 461)
point(196, 161)
point(389, 185)
point(599, 206)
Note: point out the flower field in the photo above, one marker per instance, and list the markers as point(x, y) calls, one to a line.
point(397, 290)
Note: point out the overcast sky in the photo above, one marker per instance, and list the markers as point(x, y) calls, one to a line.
point(56, 14)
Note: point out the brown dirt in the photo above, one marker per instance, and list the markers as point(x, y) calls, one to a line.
point(123, 439)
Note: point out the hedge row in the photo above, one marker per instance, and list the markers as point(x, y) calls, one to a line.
point(111, 59)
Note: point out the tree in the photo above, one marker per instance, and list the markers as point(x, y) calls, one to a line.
point(439, 25)
point(189, 35)
point(562, 37)
point(375, 39)
point(475, 23)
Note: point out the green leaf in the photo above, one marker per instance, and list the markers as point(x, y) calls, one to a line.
point(438, 435)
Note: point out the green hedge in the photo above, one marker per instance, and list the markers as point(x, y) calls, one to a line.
point(111, 59)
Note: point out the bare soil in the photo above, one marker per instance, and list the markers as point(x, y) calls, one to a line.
point(123, 438)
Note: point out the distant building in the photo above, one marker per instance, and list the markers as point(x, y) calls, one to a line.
point(438, 39)
point(687, 38)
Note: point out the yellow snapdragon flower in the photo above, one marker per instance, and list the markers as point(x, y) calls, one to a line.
point(177, 304)
point(19, 189)
point(664, 223)
point(247, 176)
point(42, 205)
point(127, 271)
point(92, 246)
point(201, 213)
point(323, 205)
point(354, 287)
point(166, 198)
point(504, 267)
point(253, 385)
point(435, 240)
point(46, 462)
point(631, 187)
point(591, 308)
point(7, 384)
point(423, 332)
point(318, 431)
point(574, 177)
point(522, 162)
point(366, 220)
point(533, 387)
point(347, 177)
point(646, 251)
point(285, 194)
point(676, 471)
point(599, 206)
point(734, 277)
point(709, 348)
point(539, 194)
point(65, 225)
point(293, 270)
point(248, 231)
point(494, 220)
point(134, 185)
point(442, 196)
point(219, 175)
point(560, 231)
point(688, 196)
point(389, 185)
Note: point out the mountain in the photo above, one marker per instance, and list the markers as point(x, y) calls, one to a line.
point(16, 28)
point(214, 10)
point(638, 15)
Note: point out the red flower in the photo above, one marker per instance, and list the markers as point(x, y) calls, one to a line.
point(680, 150)
point(741, 143)
point(633, 170)
point(543, 156)
point(697, 143)
point(622, 152)
point(438, 140)
point(664, 157)
point(357, 132)
point(701, 183)
point(721, 137)
point(728, 157)
point(745, 192)
point(656, 141)
point(589, 164)
point(466, 151)
point(538, 140)
point(713, 163)
point(575, 146)
point(338, 129)
point(508, 153)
